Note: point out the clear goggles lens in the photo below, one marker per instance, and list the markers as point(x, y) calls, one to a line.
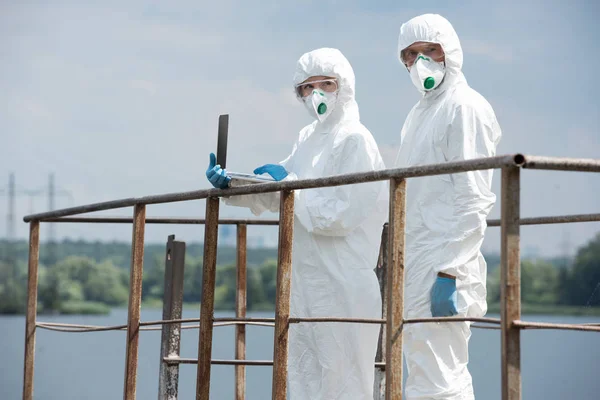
point(410, 54)
point(326, 85)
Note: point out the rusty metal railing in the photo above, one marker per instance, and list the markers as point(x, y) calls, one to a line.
point(391, 362)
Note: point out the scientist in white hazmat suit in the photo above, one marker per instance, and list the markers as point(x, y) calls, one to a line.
point(445, 214)
point(337, 233)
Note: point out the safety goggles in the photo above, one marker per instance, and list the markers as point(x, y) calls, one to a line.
point(326, 85)
point(432, 50)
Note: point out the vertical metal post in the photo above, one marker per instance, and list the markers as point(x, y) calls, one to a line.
point(381, 272)
point(135, 300)
point(282, 295)
point(395, 290)
point(168, 381)
point(207, 308)
point(32, 291)
point(510, 285)
point(240, 312)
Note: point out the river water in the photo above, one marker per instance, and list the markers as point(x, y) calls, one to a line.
point(555, 364)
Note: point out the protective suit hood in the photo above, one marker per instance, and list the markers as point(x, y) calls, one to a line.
point(337, 233)
point(331, 62)
point(445, 217)
point(434, 28)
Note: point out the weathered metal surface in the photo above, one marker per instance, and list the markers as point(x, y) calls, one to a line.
point(240, 312)
point(135, 301)
point(395, 290)
point(30, 321)
point(297, 320)
point(168, 377)
point(75, 328)
point(568, 327)
point(559, 219)
point(161, 220)
point(451, 319)
point(346, 179)
point(510, 284)
point(381, 272)
point(562, 164)
point(207, 308)
point(283, 295)
point(177, 360)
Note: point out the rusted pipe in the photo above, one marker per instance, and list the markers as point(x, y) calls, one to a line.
point(558, 219)
point(135, 302)
point(395, 290)
point(161, 220)
point(240, 312)
point(177, 360)
point(170, 341)
point(562, 164)
point(346, 179)
point(510, 284)
point(207, 307)
point(453, 319)
point(30, 319)
point(544, 325)
point(283, 295)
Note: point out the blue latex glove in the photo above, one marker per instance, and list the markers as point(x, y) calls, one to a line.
point(443, 297)
point(276, 171)
point(217, 176)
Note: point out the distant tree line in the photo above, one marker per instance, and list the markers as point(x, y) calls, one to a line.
point(93, 276)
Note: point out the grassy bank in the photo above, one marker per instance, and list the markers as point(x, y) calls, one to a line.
point(79, 308)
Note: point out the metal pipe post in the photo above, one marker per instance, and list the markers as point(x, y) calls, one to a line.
point(168, 378)
point(240, 312)
point(282, 295)
point(395, 290)
point(510, 286)
point(30, 321)
point(381, 272)
point(207, 307)
point(135, 301)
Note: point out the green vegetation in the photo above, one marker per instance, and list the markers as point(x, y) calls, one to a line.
point(92, 277)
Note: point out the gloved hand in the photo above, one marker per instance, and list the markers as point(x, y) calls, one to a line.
point(217, 176)
point(276, 171)
point(443, 297)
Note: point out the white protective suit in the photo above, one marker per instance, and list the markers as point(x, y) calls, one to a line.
point(337, 233)
point(446, 216)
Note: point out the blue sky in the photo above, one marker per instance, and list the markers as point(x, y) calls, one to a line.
point(121, 99)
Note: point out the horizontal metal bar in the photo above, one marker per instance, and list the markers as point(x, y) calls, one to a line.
point(75, 328)
point(296, 320)
point(569, 327)
point(243, 320)
point(268, 322)
point(558, 219)
point(346, 179)
point(452, 319)
point(173, 360)
point(78, 328)
point(160, 220)
point(562, 164)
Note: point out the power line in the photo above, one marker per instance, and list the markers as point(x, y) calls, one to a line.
point(13, 190)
